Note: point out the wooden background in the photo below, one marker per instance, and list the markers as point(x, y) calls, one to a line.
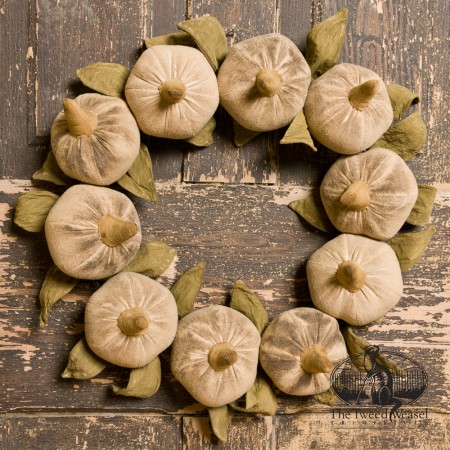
point(224, 205)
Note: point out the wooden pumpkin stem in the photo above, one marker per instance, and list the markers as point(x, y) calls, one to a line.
point(172, 90)
point(133, 321)
point(361, 95)
point(221, 356)
point(315, 360)
point(268, 82)
point(357, 196)
point(351, 276)
point(81, 123)
point(113, 231)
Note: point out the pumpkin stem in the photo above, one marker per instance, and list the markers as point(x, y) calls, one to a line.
point(315, 360)
point(221, 356)
point(81, 123)
point(133, 321)
point(172, 90)
point(361, 95)
point(268, 82)
point(357, 196)
point(351, 276)
point(113, 231)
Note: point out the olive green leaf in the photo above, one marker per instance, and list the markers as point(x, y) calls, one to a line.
point(247, 303)
point(139, 178)
point(180, 38)
point(421, 212)
point(401, 99)
point(51, 172)
point(311, 209)
point(324, 43)
point(204, 137)
point(298, 132)
point(152, 259)
point(106, 78)
point(143, 382)
point(327, 398)
point(405, 138)
point(209, 36)
point(83, 362)
point(356, 346)
point(32, 209)
point(220, 421)
point(243, 136)
point(186, 288)
point(56, 284)
point(409, 247)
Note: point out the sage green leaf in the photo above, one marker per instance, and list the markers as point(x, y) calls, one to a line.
point(83, 362)
point(209, 36)
point(405, 138)
point(401, 99)
point(247, 303)
point(298, 133)
point(32, 209)
point(311, 209)
point(220, 421)
point(139, 178)
point(143, 382)
point(56, 284)
point(204, 137)
point(328, 397)
point(324, 43)
point(409, 247)
point(51, 172)
point(421, 212)
point(180, 38)
point(243, 136)
point(186, 288)
point(152, 259)
point(106, 78)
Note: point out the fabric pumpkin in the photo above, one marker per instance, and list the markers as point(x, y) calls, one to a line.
point(348, 108)
point(299, 349)
point(371, 193)
point(172, 91)
point(92, 232)
point(215, 355)
point(354, 278)
point(95, 139)
point(263, 82)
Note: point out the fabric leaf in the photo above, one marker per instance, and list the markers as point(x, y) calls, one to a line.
point(143, 382)
point(83, 362)
point(209, 36)
point(152, 259)
point(106, 78)
point(220, 418)
point(139, 178)
point(324, 43)
point(204, 137)
point(247, 303)
point(311, 209)
point(298, 132)
point(405, 138)
point(421, 212)
point(186, 288)
point(243, 136)
point(32, 209)
point(327, 398)
point(401, 99)
point(56, 284)
point(180, 38)
point(409, 247)
point(51, 172)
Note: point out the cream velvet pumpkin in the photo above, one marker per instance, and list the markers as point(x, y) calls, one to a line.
point(95, 139)
point(299, 349)
point(354, 278)
point(130, 320)
point(348, 108)
point(371, 193)
point(92, 232)
point(172, 91)
point(215, 355)
point(263, 82)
